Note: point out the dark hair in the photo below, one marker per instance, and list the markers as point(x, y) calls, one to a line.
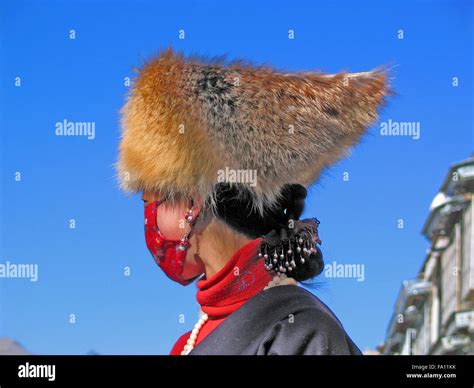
point(310, 269)
point(233, 205)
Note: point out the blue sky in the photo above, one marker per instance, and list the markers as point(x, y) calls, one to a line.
point(81, 270)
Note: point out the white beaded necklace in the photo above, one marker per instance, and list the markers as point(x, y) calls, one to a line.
point(281, 280)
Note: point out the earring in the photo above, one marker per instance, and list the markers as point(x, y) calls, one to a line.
point(191, 221)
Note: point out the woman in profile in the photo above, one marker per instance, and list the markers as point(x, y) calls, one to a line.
point(223, 154)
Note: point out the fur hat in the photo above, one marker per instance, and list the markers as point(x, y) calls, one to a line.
point(190, 123)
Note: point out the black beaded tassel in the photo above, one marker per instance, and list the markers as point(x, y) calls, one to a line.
point(284, 252)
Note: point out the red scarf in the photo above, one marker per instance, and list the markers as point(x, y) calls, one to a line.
point(241, 278)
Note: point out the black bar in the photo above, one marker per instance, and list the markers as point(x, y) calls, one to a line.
point(319, 371)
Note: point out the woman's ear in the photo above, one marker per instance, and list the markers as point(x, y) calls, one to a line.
point(197, 204)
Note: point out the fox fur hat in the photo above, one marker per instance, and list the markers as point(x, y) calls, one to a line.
point(191, 123)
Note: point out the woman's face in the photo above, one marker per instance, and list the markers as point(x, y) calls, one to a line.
point(171, 223)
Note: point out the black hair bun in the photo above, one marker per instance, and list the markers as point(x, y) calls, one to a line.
point(293, 251)
point(279, 226)
point(310, 269)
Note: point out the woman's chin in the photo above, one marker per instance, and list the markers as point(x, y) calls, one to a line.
point(193, 267)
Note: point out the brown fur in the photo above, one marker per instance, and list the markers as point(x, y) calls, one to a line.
point(244, 125)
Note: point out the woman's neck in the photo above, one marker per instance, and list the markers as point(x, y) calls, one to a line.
point(220, 244)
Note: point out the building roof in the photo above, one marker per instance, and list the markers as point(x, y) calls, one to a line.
point(464, 178)
point(445, 206)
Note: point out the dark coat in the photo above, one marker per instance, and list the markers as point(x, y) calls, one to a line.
point(283, 320)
